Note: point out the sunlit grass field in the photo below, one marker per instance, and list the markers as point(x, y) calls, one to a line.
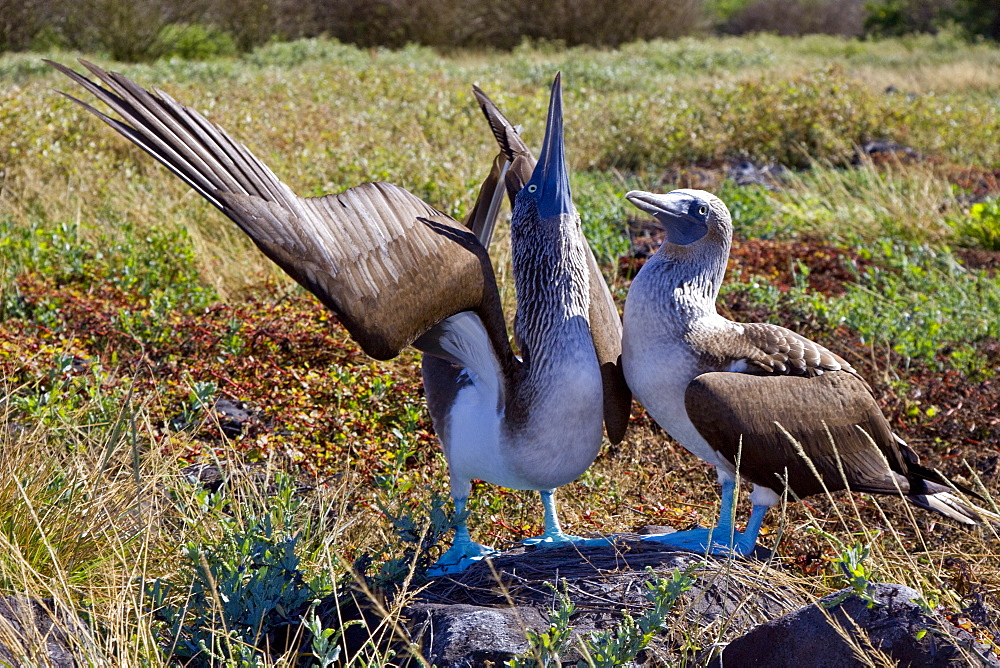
point(129, 306)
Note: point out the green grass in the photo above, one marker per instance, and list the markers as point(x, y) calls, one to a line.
point(128, 306)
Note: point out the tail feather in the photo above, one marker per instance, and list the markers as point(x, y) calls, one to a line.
point(950, 505)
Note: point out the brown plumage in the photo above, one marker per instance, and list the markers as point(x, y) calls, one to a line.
point(766, 349)
point(829, 416)
point(365, 253)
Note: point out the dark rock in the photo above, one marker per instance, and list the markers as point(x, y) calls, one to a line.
point(834, 635)
point(34, 633)
point(881, 151)
point(461, 635)
point(208, 476)
point(746, 173)
point(232, 416)
point(480, 616)
point(213, 477)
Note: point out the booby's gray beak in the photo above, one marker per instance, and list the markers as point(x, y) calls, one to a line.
point(550, 179)
point(683, 216)
point(670, 204)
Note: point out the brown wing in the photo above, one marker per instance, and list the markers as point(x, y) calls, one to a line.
point(605, 323)
point(730, 409)
point(767, 349)
point(388, 264)
point(482, 219)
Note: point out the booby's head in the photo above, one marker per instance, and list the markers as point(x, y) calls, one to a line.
point(687, 216)
point(547, 191)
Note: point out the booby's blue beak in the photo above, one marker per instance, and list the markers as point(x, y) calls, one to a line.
point(549, 183)
point(682, 214)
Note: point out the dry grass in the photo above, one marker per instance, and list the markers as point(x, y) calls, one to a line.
point(896, 201)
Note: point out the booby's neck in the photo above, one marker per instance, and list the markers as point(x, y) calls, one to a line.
point(688, 278)
point(550, 276)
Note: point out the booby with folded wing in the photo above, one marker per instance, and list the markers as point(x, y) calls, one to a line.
point(788, 411)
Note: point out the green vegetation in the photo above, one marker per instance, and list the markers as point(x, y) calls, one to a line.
point(237, 589)
point(612, 647)
point(129, 308)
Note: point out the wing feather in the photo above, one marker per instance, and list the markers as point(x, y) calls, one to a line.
point(369, 254)
point(762, 348)
point(738, 412)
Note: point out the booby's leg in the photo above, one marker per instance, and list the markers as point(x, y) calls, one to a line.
point(745, 542)
point(463, 551)
point(554, 534)
point(721, 540)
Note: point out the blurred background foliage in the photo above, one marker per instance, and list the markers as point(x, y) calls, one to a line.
point(146, 30)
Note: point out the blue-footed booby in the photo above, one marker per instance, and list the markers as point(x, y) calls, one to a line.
point(398, 272)
point(784, 410)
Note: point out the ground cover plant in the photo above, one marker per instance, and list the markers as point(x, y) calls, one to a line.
point(141, 333)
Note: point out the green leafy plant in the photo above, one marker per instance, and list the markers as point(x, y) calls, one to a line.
point(324, 642)
point(981, 228)
point(613, 647)
point(546, 647)
point(618, 646)
point(855, 571)
point(199, 400)
point(928, 603)
point(194, 41)
point(420, 532)
point(234, 593)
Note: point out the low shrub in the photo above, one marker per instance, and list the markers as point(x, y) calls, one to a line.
point(797, 17)
point(194, 41)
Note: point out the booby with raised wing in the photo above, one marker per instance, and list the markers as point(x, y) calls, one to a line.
point(398, 272)
point(785, 410)
point(605, 323)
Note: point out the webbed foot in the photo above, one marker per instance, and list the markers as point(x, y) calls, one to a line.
point(461, 555)
point(551, 539)
point(706, 541)
point(557, 538)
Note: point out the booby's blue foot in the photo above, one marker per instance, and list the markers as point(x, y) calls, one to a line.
point(554, 535)
point(463, 551)
point(705, 541)
point(722, 540)
point(606, 541)
point(458, 557)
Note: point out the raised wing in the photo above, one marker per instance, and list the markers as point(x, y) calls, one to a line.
point(605, 323)
point(741, 413)
point(482, 219)
point(386, 263)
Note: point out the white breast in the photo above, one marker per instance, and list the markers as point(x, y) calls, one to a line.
point(551, 446)
point(659, 364)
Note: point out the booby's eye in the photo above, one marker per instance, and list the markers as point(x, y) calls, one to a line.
point(702, 210)
point(532, 188)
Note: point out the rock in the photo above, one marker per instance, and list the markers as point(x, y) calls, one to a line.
point(233, 416)
point(213, 477)
point(746, 173)
point(31, 634)
point(459, 635)
point(481, 616)
point(832, 635)
point(882, 151)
